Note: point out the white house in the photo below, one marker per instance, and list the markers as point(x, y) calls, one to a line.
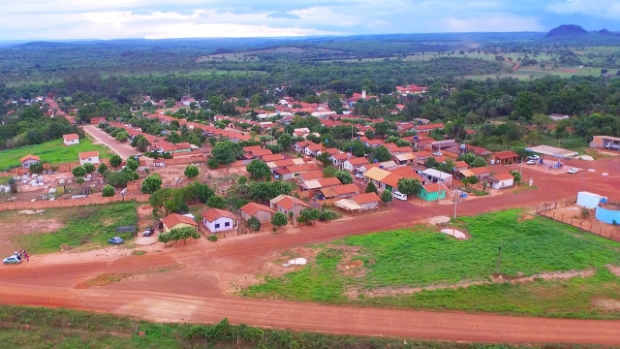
point(354, 163)
point(433, 176)
point(216, 220)
point(503, 180)
point(89, 156)
point(29, 160)
point(71, 139)
point(589, 200)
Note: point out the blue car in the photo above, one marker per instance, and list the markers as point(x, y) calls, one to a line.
point(117, 240)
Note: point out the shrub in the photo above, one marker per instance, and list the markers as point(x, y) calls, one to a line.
point(327, 215)
point(585, 213)
point(254, 224)
point(107, 190)
point(78, 171)
point(212, 237)
point(191, 172)
point(213, 164)
point(79, 180)
point(102, 168)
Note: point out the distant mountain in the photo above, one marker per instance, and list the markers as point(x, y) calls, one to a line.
point(566, 30)
point(605, 32)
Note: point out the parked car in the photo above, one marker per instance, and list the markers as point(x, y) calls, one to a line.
point(12, 260)
point(117, 240)
point(437, 153)
point(148, 232)
point(533, 157)
point(573, 170)
point(359, 175)
point(531, 162)
point(399, 196)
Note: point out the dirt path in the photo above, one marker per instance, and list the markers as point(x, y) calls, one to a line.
point(184, 283)
point(124, 150)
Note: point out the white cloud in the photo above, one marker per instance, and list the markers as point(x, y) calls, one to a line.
point(492, 23)
point(599, 8)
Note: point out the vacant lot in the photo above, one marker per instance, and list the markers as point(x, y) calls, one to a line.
point(53, 152)
point(86, 227)
point(547, 269)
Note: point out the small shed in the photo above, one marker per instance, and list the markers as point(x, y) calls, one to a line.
point(432, 192)
point(588, 200)
point(367, 201)
point(501, 181)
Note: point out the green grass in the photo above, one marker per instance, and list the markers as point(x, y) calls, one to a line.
point(68, 329)
point(87, 226)
point(419, 257)
point(53, 152)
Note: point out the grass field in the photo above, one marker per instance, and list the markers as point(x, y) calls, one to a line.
point(86, 226)
point(67, 329)
point(53, 152)
point(398, 261)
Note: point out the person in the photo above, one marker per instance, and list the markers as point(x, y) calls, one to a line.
point(27, 256)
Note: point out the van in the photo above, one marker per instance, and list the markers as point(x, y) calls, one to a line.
point(399, 196)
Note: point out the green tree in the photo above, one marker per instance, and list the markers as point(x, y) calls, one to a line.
point(309, 215)
point(151, 184)
point(254, 224)
point(191, 172)
point(184, 233)
point(79, 171)
point(371, 188)
point(470, 180)
point(344, 177)
point(285, 141)
point(102, 168)
point(409, 186)
point(115, 161)
point(369, 134)
point(226, 152)
point(467, 157)
point(386, 196)
point(107, 190)
point(381, 154)
point(216, 202)
point(324, 158)
point(479, 162)
point(36, 168)
point(165, 200)
point(527, 104)
point(517, 176)
point(258, 170)
point(132, 164)
point(118, 179)
point(431, 162)
point(213, 163)
point(329, 172)
point(279, 219)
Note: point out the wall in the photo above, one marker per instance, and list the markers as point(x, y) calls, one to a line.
point(608, 216)
point(588, 200)
point(45, 204)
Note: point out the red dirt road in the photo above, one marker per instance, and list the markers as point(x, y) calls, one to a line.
point(185, 283)
point(124, 150)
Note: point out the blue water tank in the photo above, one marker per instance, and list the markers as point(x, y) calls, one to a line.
point(464, 195)
point(603, 200)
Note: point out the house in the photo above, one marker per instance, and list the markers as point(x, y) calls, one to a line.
point(306, 176)
point(501, 181)
point(286, 204)
point(605, 142)
point(354, 163)
point(89, 156)
point(433, 176)
point(432, 192)
point(317, 184)
point(404, 159)
point(505, 157)
point(479, 172)
point(71, 139)
point(261, 212)
point(300, 146)
point(279, 164)
point(367, 201)
point(558, 117)
point(292, 172)
point(479, 151)
point(29, 160)
point(339, 159)
point(97, 120)
point(175, 220)
point(217, 220)
point(312, 149)
point(428, 127)
point(460, 165)
point(342, 191)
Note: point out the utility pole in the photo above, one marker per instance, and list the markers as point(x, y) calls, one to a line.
point(456, 201)
point(499, 257)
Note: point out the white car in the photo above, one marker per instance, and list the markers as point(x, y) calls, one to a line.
point(399, 196)
point(533, 157)
point(573, 170)
point(12, 260)
point(437, 153)
point(531, 162)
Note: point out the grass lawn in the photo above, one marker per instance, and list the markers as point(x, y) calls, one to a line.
point(53, 152)
point(422, 257)
point(87, 226)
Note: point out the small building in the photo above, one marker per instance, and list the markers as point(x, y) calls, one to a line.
point(292, 172)
point(89, 156)
point(505, 157)
point(217, 220)
point(353, 163)
point(367, 201)
point(502, 180)
point(286, 204)
point(340, 191)
point(404, 159)
point(261, 212)
point(558, 117)
point(71, 139)
point(98, 120)
point(175, 220)
point(28, 160)
point(312, 149)
point(481, 173)
point(605, 142)
point(589, 200)
point(339, 159)
point(432, 192)
point(433, 176)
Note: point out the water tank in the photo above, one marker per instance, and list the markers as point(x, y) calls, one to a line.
point(603, 200)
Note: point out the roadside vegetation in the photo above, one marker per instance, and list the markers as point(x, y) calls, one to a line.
point(85, 227)
point(38, 328)
point(52, 152)
point(422, 268)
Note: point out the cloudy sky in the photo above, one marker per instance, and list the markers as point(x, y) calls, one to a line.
point(154, 19)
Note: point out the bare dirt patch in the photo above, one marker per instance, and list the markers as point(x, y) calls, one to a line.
point(103, 280)
point(14, 225)
point(526, 217)
point(614, 269)
point(611, 305)
point(354, 293)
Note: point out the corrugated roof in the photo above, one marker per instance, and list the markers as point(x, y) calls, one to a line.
point(366, 198)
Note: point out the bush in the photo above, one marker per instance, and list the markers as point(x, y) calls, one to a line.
point(191, 172)
point(107, 190)
point(78, 171)
point(213, 164)
point(327, 215)
point(212, 237)
point(585, 213)
point(36, 168)
point(79, 180)
point(254, 224)
point(89, 168)
point(102, 168)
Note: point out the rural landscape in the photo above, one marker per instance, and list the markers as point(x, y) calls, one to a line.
point(448, 190)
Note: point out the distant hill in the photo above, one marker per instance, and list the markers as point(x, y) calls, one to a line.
point(605, 32)
point(566, 30)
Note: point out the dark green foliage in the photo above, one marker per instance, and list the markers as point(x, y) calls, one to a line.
point(258, 170)
point(386, 196)
point(79, 171)
point(344, 177)
point(226, 152)
point(37, 168)
point(118, 179)
point(409, 186)
point(279, 219)
point(216, 202)
point(213, 163)
point(115, 161)
point(381, 154)
point(151, 184)
point(89, 168)
point(107, 190)
point(132, 164)
point(371, 188)
point(254, 224)
point(191, 172)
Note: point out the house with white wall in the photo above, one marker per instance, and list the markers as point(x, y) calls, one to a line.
point(89, 156)
point(71, 139)
point(217, 220)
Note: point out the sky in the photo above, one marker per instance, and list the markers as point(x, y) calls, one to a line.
point(156, 19)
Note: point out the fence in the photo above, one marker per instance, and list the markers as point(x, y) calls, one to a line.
point(548, 210)
point(198, 159)
point(88, 201)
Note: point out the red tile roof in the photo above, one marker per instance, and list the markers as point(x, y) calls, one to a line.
point(88, 154)
point(29, 157)
point(366, 198)
point(215, 213)
point(312, 175)
point(288, 202)
point(70, 137)
point(429, 127)
point(480, 170)
point(433, 187)
point(357, 161)
point(252, 208)
point(272, 157)
point(506, 154)
point(173, 219)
